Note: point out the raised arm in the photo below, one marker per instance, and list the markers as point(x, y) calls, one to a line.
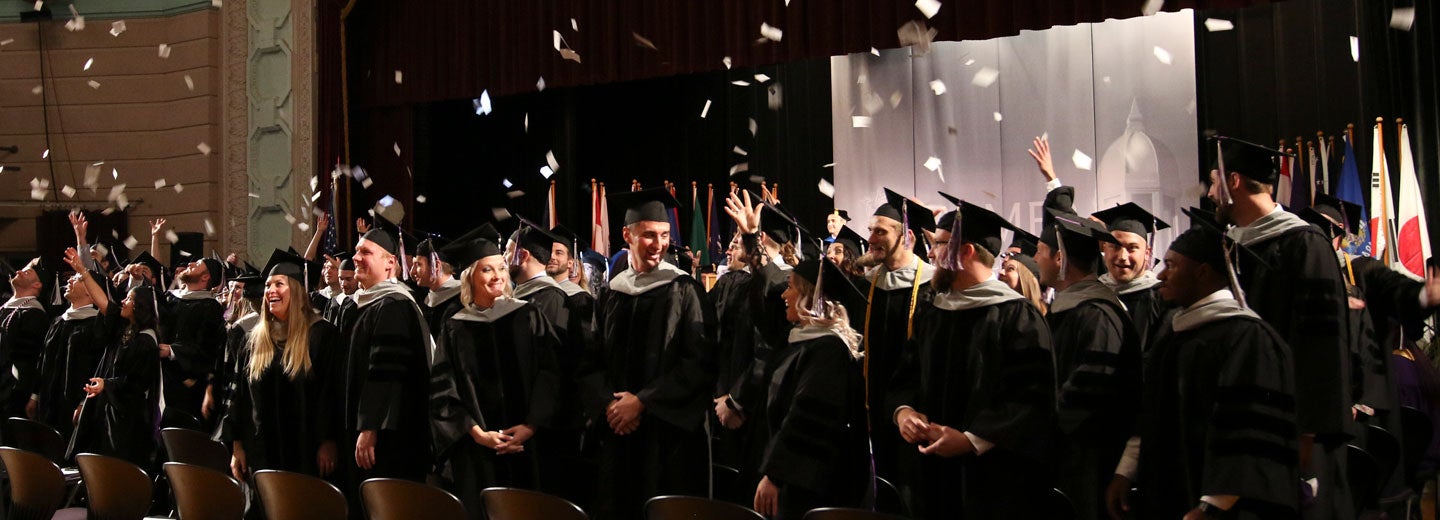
point(155, 227)
point(97, 294)
point(1041, 154)
point(322, 223)
point(82, 229)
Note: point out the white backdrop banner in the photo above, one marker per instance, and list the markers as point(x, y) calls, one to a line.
point(1116, 100)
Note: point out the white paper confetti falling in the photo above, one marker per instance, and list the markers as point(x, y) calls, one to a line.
point(209, 227)
point(705, 111)
point(969, 62)
point(527, 122)
point(1082, 161)
point(68, 191)
point(399, 77)
point(130, 242)
point(115, 173)
point(570, 54)
point(998, 117)
point(874, 51)
point(860, 121)
point(397, 149)
point(761, 78)
point(937, 86)
point(482, 104)
point(39, 4)
point(507, 184)
point(189, 83)
point(928, 7)
point(826, 188)
point(366, 183)
point(420, 199)
point(1151, 7)
point(315, 197)
point(115, 192)
point(540, 84)
point(726, 61)
point(773, 34)
point(500, 214)
point(92, 175)
point(204, 148)
point(754, 127)
point(1355, 48)
point(933, 163)
point(171, 236)
point(93, 84)
point(117, 27)
point(304, 227)
point(740, 83)
point(314, 183)
point(159, 183)
point(45, 154)
point(38, 188)
point(574, 26)
point(88, 63)
point(289, 218)
point(551, 162)
point(643, 41)
point(37, 90)
point(546, 172)
point(179, 187)
point(739, 151)
point(1162, 55)
point(985, 77)
point(895, 99)
point(1218, 25)
point(1402, 18)
point(217, 3)
point(6, 41)
point(163, 51)
point(739, 168)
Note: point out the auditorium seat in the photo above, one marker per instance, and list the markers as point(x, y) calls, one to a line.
point(295, 496)
point(841, 513)
point(202, 493)
point(117, 490)
point(396, 499)
point(192, 447)
point(523, 504)
point(677, 507)
point(37, 489)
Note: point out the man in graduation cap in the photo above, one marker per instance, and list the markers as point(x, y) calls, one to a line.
point(898, 286)
point(74, 344)
point(834, 222)
point(387, 389)
point(246, 290)
point(528, 262)
point(23, 322)
point(1128, 262)
point(653, 371)
point(1294, 283)
point(975, 389)
point(1217, 436)
point(345, 276)
point(438, 276)
point(1097, 357)
point(192, 337)
point(321, 298)
point(566, 428)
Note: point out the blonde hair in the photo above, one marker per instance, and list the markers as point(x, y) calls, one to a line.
point(1029, 286)
point(467, 294)
point(834, 317)
point(295, 330)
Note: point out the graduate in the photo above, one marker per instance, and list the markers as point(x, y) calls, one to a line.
point(528, 261)
point(651, 377)
point(330, 279)
point(845, 251)
point(74, 345)
point(117, 417)
point(975, 389)
point(246, 291)
point(815, 410)
point(386, 430)
point(835, 221)
point(342, 311)
point(1294, 283)
point(501, 360)
point(442, 297)
point(898, 286)
point(1097, 357)
point(23, 323)
point(729, 298)
point(1218, 435)
point(563, 439)
point(283, 415)
point(1128, 262)
point(192, 338)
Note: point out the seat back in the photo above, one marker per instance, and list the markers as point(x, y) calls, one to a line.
point(1363, 474)
point(1384, 447)
point(396, 499)
point(35, 437)
point(118, 490)
point(676, 507)
point(887, 498)
point(1060, 506)
point(523, 504)
point(727, 484)
point(192, 447)
point(842, 513)
point(296, 496)
point(202, 493)
point(1417, 432)
point(37, 488)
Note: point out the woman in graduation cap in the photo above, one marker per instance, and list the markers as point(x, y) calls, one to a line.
point(815, 409)
point(283, 414)
point(500, 356)
point(118, 415)
point(845, 251)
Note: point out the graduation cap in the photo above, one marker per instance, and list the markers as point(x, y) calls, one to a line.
point(777, 224)
point(1337, 216)
point(1026, 260)
point(216, 269)
point(649, 205)
point(831, 284)
point(347, 261)
point(156, 269)
point(1132, 218)
point(844, 215)
point(1024, 241)
point(480, 242)
point(851, 240)
point(1245, 158)
point(384, 235)
point(306, 272)
point(948, 219)
point(536, 239)
point(1074, 237)
point(571, 239)
point(254, 283)
point(1207, 242)
point(976, 225)
point(429, 245)
point(911, 215)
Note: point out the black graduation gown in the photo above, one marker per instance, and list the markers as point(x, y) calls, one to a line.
point(120, 421)
point(570, 355)
point(728, 297)
point(319, 301)
point(656, 345)
point(505, 374)
point(231, 363)
point(438, 315)
point(282, 421)
point(568, 473)
point(1219, 420)
point(73, 349)
point(387, 389)
point(22, 339)
point(988, 371)
point(195, 330)
point(815, 411)
point(1097, 366)
point(1147, 312)
point(886, 325)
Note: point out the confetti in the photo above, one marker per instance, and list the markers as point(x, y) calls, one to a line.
point(761, 78)
point(740, 83)
point(88, 63)
point(163, 51)
point(93, 84)
point(726, 61)
point(705, 111)
point(516, 194)
point(291, 219)
point(570, 55)
point(933, 163)
point(739, 150)
point(860, 121)
point(739, 168)
point(1218, 25)
point(895, 99)
point(189, 83)
point(874, 51)
point(507, 183)
point(969, 62)
point(115, 192)
point(204, 148)
point(130, 242)
point(1402, 18)
point(366, 183)
point(179, 187)
point(546, 172)
point(754, 127)
point(1151, 7)
point(397, 149)
point(574, 26)
point(314, 183)
point(482, 103)
point(1081, 160)
point(216, 3)
point(1355, 48)
point(774, 96)
point(114, 173)
point(527, 122)
point(171, 236)
point(68, 191)
point(643, 41)
point(998, 117)
point(6, 41)
point(551, 162)
point(555, 35)
point(117, 27)
point(540, 84)
point(38, 187)
point(209, 227)
point(45, 154)
point(937, 86)
point(985, 77)
point(928, 7)
point(771, 33)
point(1106, 79)
point(826, 188)
point(1162, 55)
point(39, 4)
point(304, 227)
point(159, 183)
point(420, 198)
point(315, 197)
point(916, 34)
point(399, 77)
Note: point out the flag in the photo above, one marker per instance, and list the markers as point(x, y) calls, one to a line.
point(1358, 243)
point(1413, 240)
point(1381, 215)
point(697, 229)
point(600, 222)
point(552, 216)
point(1324, 166)
point(674, 213)
point(1283, 188)
point(1301, 186)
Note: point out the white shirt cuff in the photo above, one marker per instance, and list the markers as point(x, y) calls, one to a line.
point(1129, 464)
point(1052, 184)
point(895, 416)
point(34, 397)
point(981, 445)
point(1221, 501)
